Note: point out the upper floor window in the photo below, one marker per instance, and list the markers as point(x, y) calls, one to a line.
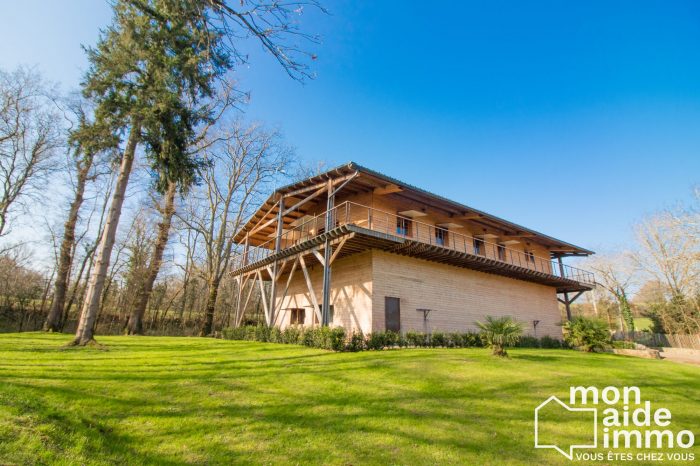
point(502, 252)
point(478, 246)
point(530, 257)
point(403, 226)
point(440, 236)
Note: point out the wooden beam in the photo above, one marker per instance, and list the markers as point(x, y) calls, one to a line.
point(470, 216)
point(338, 248)
point(318, 255)
point(388, 189)
point(314, 301)
point(518, 236)
point(319, 185)
point(286, 288)
point(264, 300)
point(263, 217)
point(245, 305)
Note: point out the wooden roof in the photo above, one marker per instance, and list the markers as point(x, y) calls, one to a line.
point(372, 181)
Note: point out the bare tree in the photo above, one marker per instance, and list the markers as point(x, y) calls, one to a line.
point(167, 210)
point(82, 167)
point(669, 253)
point(29, 139)
point(617, 275)
point(243, 164)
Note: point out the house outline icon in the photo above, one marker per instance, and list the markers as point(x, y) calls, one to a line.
point(570, 453)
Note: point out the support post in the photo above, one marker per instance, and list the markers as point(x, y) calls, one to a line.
point(246, 249)
point(325, 316)
point(567, 303)
point(239, 280)
point(275, 271)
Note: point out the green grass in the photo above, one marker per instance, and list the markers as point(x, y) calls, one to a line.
point(153, 400)
point(643, 323)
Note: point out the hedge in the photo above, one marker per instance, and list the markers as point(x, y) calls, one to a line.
point(335, 338)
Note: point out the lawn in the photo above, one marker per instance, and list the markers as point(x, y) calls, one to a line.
point(152, 400)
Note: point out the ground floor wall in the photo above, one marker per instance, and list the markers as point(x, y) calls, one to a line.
point(456, 297)
point(351, 293)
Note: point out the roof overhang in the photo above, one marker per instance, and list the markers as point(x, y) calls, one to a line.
point(359, 179)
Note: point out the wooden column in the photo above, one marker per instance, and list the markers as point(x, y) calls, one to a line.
point(567, 303)
point(246, 249)
point(275, 266)
point(326, 311)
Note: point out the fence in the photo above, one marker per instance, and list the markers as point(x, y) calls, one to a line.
point(662, 339)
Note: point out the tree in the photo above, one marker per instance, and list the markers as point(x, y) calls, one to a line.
point(151, 67)
point(669, 254)
point(617, 274)
point(242, 165)
point(153, 57)
point(29, 139)
point(83, 162)
point(167, 210)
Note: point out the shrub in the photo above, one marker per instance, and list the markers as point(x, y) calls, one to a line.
point(549, 342)
point(587, 334)
point(472, 339)
point(455, 340)
point(438, 339)
point(336, 339)
point(356, 342)
point(416, 339)
point(292, 335)
point(624, 345)
point(375, 341)
point(500, 332)
point(528, 341)
point(391, 339)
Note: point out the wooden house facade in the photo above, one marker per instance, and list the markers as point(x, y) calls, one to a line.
point(355, 248)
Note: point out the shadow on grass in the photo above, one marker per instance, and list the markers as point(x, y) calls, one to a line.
point(254, 403)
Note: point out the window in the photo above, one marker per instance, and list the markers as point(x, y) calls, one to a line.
point(530, 257)
point(297, 316)
point(478, 246)
point(330, 317)
point(403, 226)
point(440, 236)
point(501, 253)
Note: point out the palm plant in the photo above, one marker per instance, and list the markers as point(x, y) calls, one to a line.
point(499, 333)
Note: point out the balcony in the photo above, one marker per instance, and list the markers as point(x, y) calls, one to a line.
point(361, 227)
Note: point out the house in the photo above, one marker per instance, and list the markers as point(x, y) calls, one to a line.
point(355, 248)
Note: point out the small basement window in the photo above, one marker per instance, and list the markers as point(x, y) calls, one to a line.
point(297, 316)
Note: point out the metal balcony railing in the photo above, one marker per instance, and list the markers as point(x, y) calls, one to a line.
point(350, 213)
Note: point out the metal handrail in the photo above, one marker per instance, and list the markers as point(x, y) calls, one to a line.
point(351, 213)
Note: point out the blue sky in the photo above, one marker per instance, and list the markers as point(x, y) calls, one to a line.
point(572, 118)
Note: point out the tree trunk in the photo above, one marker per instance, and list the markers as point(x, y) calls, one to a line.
point(85, 331)
point(135, 325)
point(65, 258)
point(213, 291)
